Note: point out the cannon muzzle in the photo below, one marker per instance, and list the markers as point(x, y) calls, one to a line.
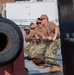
point(11, 41)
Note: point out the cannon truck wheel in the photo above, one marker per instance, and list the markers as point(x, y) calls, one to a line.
point(11, 41)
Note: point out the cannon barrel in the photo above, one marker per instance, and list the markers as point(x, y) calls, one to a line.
point(11, 41)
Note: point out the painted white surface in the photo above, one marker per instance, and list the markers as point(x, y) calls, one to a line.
point(23, 13)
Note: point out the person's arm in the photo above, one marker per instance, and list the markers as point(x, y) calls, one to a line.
point(26, 39)
point(56, 33)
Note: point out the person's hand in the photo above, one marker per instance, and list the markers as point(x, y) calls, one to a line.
point(40, 34)
point(53, 38)
point(50, 38)
point(37, 37)
point(43, 37)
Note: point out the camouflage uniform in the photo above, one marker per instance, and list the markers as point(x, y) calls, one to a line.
point(27, 48)
point(39, 47)
point(52, 46)
point(29, 38)
point(52, 50)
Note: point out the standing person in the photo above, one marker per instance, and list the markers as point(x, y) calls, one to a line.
point(52, 31)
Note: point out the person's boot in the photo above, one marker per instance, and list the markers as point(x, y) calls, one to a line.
point(55, 69)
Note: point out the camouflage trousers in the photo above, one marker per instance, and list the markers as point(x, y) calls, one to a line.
point(52, 49)
point(37, 49)
point(27, 48)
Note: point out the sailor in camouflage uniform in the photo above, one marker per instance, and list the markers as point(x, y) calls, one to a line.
point(39, 47)
point(54, 41)
point(29, 37)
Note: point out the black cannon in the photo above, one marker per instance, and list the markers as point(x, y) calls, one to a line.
point(11, 41)
point(66, 22)
point(11, 48)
